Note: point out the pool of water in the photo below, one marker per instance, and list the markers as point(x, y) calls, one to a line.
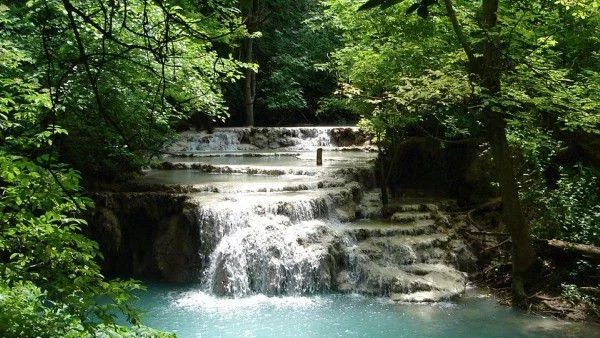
point(189, 312)
point(271, 159)
point(199, 177)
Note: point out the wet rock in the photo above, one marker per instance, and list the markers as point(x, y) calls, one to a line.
point(405, 258)
point(463, 257)
point(108, 231)
point(173, 249)
point(220, 282)
point(259, 140)
point(370, 205)
point(345, 137)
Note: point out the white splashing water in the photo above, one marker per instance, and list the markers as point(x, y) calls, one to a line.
point(319, 138)
point(270, 248)
point(202, 301)
point(244, 139)
point(272, 258)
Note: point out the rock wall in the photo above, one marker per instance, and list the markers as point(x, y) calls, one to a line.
point(147, 235)
point(422, 164)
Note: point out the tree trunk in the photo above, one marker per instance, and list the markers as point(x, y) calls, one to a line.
point(250, 9)
point(523, 255)
point(384, 195)
point(382, 175)
point(249, 86)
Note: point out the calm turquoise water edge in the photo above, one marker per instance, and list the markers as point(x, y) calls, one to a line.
point(191, 313)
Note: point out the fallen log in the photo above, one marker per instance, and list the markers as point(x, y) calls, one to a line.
point(588, 251)
point(588, 290)
point(490, 233)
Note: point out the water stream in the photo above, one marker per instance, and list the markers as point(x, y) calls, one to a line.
point(291, 249)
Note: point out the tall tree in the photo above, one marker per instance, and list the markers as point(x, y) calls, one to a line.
point(251, 10)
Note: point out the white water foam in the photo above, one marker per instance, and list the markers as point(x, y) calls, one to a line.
point(202, 301)
point(271, 257)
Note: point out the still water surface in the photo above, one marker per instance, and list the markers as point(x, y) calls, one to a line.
point(190, 312)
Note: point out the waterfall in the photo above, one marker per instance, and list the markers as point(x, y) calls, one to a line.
point(271, 221)
point(279, 238)
point(248, 139)
point(273, 257)
point(275, 247)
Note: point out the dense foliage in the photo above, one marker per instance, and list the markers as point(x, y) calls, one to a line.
point(399, 70)
point(96, 84)
point(49, 275)
point(287, 48)
point(120, 73)
point(101, 84)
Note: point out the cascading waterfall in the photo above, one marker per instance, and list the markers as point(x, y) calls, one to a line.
point(267, 242)
point(290, 226)
point(270, 259)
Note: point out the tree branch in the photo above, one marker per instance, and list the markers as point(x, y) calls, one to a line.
point(462, 38)
point(93, 82)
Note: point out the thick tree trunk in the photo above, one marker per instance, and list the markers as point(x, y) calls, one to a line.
point(523, 255)
point(249, 89)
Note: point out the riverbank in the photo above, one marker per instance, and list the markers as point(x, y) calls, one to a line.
point(566, 286)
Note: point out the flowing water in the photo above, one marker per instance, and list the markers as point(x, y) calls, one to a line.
point(293, 249)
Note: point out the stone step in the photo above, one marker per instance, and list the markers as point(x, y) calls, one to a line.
point(405, 249)
point(178, 156)
point(417, 207)
point(418, 242)
point(406, 283)
point(357, 171)
point(237, 169)
point(370, 205)
point(258, 187)
point(408, 217)
point(411, 205)
point(366, 229)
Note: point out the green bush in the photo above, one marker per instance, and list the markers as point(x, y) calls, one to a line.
point(50, 280)
point(570, 212)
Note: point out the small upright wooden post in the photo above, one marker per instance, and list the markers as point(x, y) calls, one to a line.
point(319, 156)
